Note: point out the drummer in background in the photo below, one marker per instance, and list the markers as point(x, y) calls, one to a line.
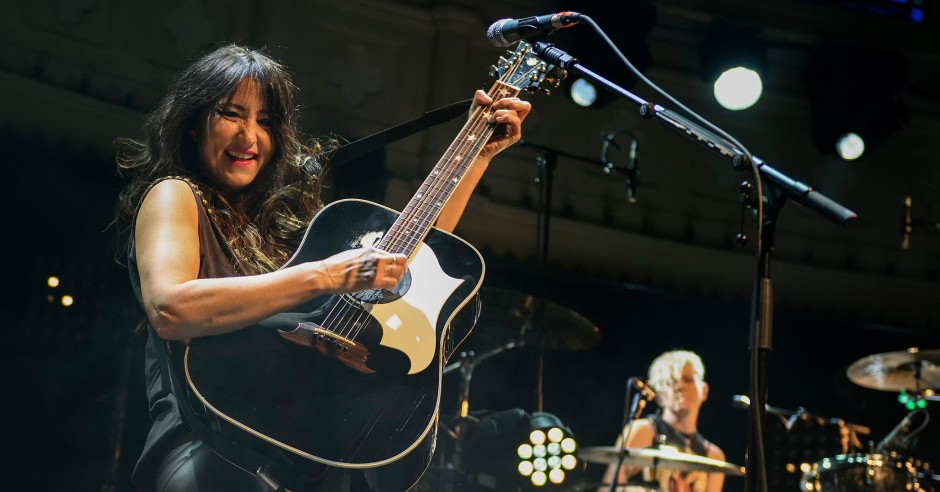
point(678, 378)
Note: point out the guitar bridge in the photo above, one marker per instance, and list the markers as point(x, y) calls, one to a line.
point(351, 353)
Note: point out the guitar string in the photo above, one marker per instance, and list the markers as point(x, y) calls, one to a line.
point(397, 238)
point(405, 242)
point(438, 194)
point(449, 171)
point(399, 241)
point(435, 196)
point(453, 168)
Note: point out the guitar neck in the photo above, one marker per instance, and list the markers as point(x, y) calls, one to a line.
point(425, 206)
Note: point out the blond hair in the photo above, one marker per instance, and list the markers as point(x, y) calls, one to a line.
point(667, 367)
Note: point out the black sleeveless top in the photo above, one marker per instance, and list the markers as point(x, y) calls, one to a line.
point(167, 428)
point(694, 444)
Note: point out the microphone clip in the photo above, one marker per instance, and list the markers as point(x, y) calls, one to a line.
point(644, 388)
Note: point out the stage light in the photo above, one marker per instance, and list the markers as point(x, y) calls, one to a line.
point(512, 449)
point(52, 281)
point(67, 300)
point(549, 456)
point(856, 99)
point(738, 88)
point(733, 60)
point(583, 92)
point(850, 146)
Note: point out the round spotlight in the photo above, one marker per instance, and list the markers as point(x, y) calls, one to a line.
point(568, 445)
point(738, 88)
point(583, 93)
point(537, 437)
point(553, 448)
point(526, 468)
point(52, 281)
point(556, 476)
point(568, 462)
point(67, 300)
point(850, 146)
point(555, 434)
point(539, 451)
point(539, 478)
point(525, 451)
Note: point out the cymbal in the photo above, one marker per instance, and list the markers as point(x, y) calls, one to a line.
point(508, 314)
point(912, 369)
point(665, 457)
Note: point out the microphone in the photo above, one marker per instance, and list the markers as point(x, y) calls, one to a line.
point(742, 402)
point(634, 171)
point(505, 32)
point(892, 436)
point(643, 387)
point(907, 225)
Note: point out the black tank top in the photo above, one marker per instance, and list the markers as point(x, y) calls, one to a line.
point(167, 428)
point(695, 444)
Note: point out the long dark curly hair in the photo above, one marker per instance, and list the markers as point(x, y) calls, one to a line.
point(264, 222)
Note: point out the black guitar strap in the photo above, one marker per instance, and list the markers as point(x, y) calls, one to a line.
point(240, 455)
point(375, 141)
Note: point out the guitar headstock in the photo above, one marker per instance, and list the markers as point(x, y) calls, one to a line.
point(527, 72)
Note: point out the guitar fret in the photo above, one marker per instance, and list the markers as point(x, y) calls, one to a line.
point(428, 202)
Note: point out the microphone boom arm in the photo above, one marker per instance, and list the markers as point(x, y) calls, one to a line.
point(795, 190)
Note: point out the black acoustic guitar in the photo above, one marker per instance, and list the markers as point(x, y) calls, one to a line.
point(354, 381)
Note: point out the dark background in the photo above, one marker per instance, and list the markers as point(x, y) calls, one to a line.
point(80, 404)
point(75, 410)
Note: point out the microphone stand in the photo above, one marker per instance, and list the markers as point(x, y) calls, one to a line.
point(635, 410)
point(782, 188)
point(547, 162)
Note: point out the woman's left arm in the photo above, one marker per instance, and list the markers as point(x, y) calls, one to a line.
point(716, 481)
point(508, 113)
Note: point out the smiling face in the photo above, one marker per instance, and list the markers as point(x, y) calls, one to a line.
point(235, 138)
point(677, 378)
point(684, 393)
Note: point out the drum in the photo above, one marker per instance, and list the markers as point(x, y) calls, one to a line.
point(866, 473)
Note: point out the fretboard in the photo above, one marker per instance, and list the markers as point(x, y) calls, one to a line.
point(425, 206)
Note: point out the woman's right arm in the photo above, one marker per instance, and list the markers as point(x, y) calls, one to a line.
point(180, 306)
point(641, 435)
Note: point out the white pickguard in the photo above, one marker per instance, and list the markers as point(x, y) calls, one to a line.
point(409, 323)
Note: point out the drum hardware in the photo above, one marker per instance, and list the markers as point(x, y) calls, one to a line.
point(887, 467)
point(901, 436)
point(912, 401)
point(848, 431)
point(915, 373)
point(861, 472)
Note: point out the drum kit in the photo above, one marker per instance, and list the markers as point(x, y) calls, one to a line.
point(882, 467)
point(888, 465)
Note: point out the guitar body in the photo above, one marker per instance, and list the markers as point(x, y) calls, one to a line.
point(380, 418)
